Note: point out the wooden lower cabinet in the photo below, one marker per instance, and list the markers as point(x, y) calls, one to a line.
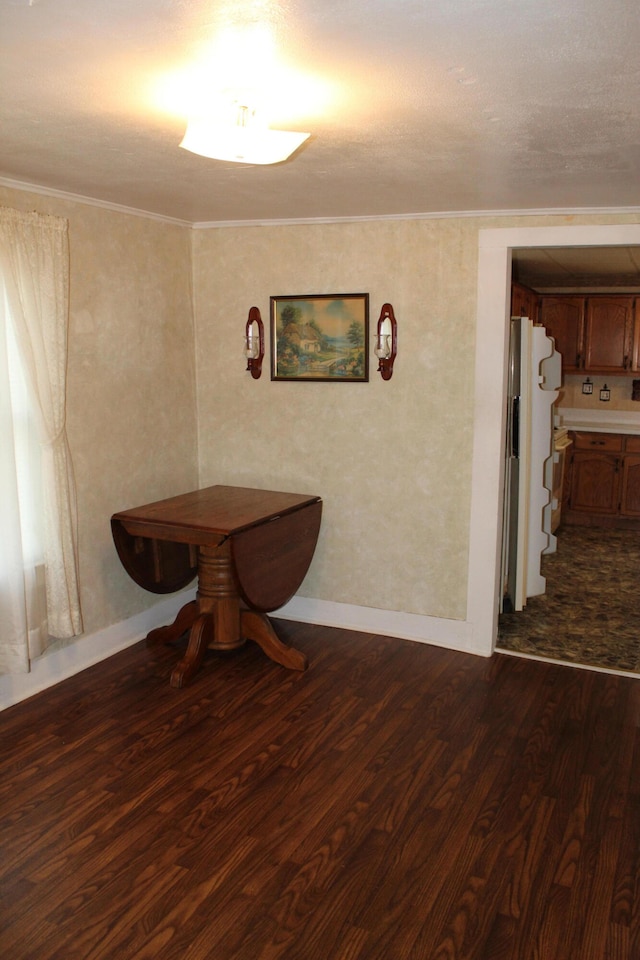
point(630, 493)
point(604, 478)
point(595, 483)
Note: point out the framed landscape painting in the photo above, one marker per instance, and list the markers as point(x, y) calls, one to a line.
point(321, 337)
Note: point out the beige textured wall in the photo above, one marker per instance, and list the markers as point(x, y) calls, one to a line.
point(390, 460)
point(130, 386)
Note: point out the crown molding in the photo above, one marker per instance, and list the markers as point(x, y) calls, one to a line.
point(297, 221)
point(90, 201)
point(433, 215)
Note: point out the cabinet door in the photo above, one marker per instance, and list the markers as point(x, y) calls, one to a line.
point(635, 337)
point(524, 302)
point(630, 499)
point(563, 318)
point(595, 482)
point(608, 334)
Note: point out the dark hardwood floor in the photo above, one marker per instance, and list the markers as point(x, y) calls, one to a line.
point(395, 801)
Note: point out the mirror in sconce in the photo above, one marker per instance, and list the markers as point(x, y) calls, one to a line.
point(386, 341)
point(254, 343)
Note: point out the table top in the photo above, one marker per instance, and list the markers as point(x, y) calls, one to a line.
point(218, 510)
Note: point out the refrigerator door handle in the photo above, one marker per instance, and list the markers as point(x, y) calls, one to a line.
point(515, 427)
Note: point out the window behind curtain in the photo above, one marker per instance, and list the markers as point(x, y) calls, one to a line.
point(27, 451)
point(20, 449)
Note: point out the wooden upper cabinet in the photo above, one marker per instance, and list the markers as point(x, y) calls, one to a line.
point(564, 319)
point(596, 334)
point(524, 302)
point(609, 335)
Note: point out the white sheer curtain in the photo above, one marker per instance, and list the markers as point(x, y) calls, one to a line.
point(34, 265)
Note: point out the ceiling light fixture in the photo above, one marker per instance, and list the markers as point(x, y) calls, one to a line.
point(243, 137)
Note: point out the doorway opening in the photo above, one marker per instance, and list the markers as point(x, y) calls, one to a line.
point(586, 612)
point(494, 283)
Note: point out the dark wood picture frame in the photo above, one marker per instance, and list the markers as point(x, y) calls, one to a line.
point(320, 337)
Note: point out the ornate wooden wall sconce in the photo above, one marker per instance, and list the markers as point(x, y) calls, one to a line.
point(254, 342)
point(386, 341)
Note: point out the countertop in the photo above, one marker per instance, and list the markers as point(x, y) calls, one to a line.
point(598, 421)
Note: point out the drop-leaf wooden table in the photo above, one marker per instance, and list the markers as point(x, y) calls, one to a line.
point(250, 550)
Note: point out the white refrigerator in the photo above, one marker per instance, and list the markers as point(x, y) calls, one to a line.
point(534, 377)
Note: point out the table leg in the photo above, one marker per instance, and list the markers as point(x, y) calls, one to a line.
point(215, 621)
point(218, 597)
point(257, 627)
point(199, 639)
point(183, 622)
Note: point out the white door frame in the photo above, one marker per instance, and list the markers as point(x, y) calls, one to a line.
point(494, 299)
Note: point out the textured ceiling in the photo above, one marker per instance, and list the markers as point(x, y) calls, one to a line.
point(414, 106)
point(578, 267)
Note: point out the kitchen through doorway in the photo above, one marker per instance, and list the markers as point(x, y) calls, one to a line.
point(587, 615)
point(495, 246)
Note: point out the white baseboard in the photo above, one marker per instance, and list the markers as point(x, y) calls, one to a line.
point(63, 662)
point(453, 634)
point(59, 664)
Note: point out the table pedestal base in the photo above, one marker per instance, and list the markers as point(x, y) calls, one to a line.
point(216, 621)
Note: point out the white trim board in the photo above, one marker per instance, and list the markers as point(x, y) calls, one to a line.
point(63, 662)
point(89, 201)
point(59, 664)
point(570, 665)
point(44, 191)
point(452, 634)
point(427, 215)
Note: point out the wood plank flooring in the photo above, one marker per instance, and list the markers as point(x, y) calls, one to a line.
point(394, 802)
